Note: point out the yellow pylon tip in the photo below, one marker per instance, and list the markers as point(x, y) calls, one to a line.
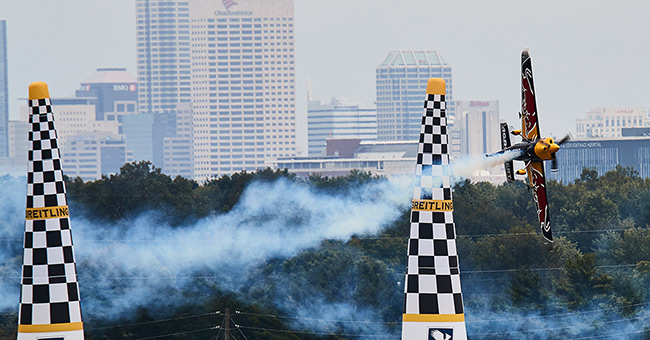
point(436, 86)
point(38, 90)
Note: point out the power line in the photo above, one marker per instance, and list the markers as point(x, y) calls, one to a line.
point(177, 333)
point(156, 321)
point(313, 319)
point(599, 310)
point(221, 327)
point(320, 333)
point(612, 335)
point(539, 269)
point(239, 329)
point(174, 277)
point(510, 319)
point(534, 330)
point(599, 231)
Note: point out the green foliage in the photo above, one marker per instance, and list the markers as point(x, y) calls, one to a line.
point(342, 184)
point(140, 186)
point(600, 257)
point(195, 321)
point(583, 283)
point(527, 290)
point(224, 192)
point(630, 247)
point(477, 207)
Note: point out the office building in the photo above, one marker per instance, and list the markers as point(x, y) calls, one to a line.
point(601, 155)
point(234, 62)
point(145, 134)
point(4, 93)
point(401, 80)
point(76, 123)
point(89, 125)
point(635, 132)
point(338, 120)
point(178, 158)
point(478, 122)
point(243, 85)
point(163, 54)
point(89, 156)
point(114, 90)
point(345, 155)
point(17, 146)
point(380, 158)
point(16, 162)
point(609, 122)
point(75, 116)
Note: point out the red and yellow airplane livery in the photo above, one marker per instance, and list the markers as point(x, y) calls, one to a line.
point(532, 150)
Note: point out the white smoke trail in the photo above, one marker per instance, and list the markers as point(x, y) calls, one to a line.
point(466, 166)
point(276, 219)
point(591, 323)
point(271, 220)
point(11, 239)
point(127, 264)
point(134, 263)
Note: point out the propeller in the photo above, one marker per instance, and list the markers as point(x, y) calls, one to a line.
point(566, 138)
point(554, 167)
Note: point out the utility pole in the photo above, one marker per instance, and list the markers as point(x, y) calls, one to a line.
point(227, 323)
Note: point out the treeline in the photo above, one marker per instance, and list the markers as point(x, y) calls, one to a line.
point(599, 262)
point(140, 187)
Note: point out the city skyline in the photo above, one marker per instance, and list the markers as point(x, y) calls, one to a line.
point(583, 59)
point(4, 94)
point(401, 79)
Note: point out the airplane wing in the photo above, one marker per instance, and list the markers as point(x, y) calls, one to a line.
point(505, 143)
point(529, 122)
point(537, 179)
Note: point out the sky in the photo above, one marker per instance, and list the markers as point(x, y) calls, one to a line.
point(585, 54)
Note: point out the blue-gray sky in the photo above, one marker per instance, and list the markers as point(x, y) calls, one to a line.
point(586, 54)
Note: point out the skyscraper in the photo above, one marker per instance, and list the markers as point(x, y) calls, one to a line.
point(478, 122)
point(338, 119)
point(90, 124)
point(401, 79)
point(114, 90)
point(239, 60)
point(4, 92)
point(163, 50)
point(610, 122)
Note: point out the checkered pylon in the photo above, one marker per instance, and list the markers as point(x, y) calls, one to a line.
point(433, 301)
point(49, 300)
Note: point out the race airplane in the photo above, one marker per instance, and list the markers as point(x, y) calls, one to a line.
point(532, 150)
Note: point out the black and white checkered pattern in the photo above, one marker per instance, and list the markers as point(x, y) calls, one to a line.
point(49, 291)
point(433, 278)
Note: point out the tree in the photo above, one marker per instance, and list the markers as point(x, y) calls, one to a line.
point(342, 184)
point(476, 209)
point(224, 192)
point(138, 186)
point(583, 284)
point(527, 290)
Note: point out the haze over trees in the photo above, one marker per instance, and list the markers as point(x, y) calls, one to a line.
point(595, 281)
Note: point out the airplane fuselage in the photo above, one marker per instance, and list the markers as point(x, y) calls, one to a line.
point(538, 150)
point(526, 151)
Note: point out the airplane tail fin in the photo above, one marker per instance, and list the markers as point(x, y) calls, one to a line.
point(505, 143)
